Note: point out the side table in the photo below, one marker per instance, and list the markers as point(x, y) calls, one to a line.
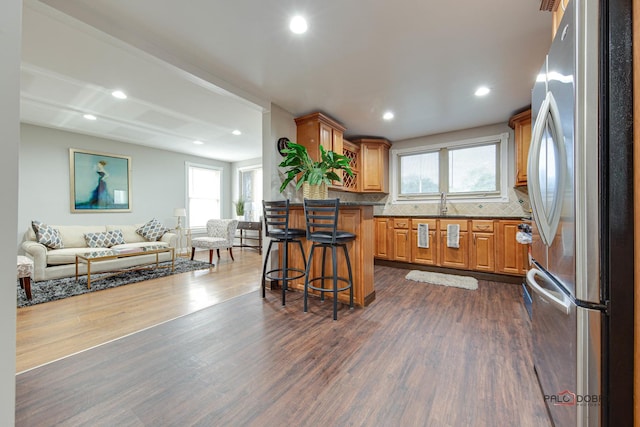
point(256, 236)
point(25, 271)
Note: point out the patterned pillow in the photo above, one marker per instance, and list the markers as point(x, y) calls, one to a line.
point(104, 240)
point(46, 235)
point(152, 230)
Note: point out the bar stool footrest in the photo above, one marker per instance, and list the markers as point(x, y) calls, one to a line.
point(330, 279)
point(282, 276)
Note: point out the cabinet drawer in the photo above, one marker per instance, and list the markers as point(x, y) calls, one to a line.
point(444, 222)
point(416, 221)
point(482, 225)
point(401, 223)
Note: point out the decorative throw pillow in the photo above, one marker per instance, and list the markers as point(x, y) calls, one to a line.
point(152, 230)
point(104, 240)
point(46, 235)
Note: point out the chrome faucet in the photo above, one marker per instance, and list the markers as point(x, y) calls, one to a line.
point(443, 203)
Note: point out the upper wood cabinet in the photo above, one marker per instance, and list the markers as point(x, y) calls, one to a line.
point(316, 129)
point(521, 124)
point(352, 152)
point(374, 164)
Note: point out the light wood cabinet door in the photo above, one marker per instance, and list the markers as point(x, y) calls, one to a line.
point(401, 240)
point(426, 256)
point(451, 256)
point(382, 229)
point(483, 252)
point(510, 255)
point(401, 245)
point(521, 124)
point(483, 248)
point(374, 165)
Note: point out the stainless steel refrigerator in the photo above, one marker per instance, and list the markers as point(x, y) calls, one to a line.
point(580, 187)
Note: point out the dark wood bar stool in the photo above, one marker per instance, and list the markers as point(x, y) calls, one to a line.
point(322, 230)
point(276, 221)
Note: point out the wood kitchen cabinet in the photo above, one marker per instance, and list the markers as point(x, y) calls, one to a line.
point(482, 246)
point(511, 256)
point(374, 164)
point(352, 152)
point(355, 219)
point(316, 129)
point(382, 230)
point(454, 257)
point(521, 124)
point(426, 256)
point(401, 240)
point(486, 244)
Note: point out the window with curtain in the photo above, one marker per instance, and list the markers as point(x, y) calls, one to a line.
point(251, 191)
point(469, 169)
point(204, 194)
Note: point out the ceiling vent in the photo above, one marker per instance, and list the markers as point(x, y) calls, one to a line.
point(549, 5)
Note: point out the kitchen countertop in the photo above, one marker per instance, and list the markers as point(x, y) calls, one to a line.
point(454, 217)
point(345, 203)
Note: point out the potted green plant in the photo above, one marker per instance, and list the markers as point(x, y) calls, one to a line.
point(313, 176)
point(240, 207)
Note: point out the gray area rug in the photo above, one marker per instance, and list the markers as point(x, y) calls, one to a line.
point(50, 290)
point(443, 279)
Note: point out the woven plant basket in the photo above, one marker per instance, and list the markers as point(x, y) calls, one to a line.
point(315, 191)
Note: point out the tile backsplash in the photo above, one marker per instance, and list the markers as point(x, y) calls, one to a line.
point(517, 206)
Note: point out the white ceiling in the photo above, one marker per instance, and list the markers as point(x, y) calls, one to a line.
point(202, 68)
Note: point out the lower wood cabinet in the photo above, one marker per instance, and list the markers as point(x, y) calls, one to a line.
point(425, 255)
point(401, 240)
point(451, 256)
point(483, 246)
point(511, 256)
point(486, 245)
point(382, 229)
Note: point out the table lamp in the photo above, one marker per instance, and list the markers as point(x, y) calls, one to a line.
point(179, 212)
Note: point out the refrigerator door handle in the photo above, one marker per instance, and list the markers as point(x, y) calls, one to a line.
point(556, 297)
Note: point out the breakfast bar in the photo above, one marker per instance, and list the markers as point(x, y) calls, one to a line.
point(354, 217)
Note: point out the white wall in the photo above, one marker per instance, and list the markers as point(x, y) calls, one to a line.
point(277, 123)
point(158, 180)
point(10, 21)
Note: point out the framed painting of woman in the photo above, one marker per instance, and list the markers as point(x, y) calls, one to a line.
point(100, 182)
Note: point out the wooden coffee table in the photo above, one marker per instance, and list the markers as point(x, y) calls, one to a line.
point(98, 256)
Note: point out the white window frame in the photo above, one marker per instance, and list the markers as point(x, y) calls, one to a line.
point(502, 171)
point(189, 165)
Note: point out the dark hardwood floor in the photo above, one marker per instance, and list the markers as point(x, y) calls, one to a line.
point(419, 355)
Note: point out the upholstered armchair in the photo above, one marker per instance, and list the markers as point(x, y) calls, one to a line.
point(220, 235)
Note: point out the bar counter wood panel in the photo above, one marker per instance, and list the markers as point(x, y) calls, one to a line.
point(355, 219)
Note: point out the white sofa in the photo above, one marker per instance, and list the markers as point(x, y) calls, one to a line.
point(56, 263)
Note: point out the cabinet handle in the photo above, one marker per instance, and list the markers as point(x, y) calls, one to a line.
point(474, 238)
point(483, 227)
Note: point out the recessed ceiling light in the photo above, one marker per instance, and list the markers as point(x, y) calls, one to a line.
point(89, 117)
point(482, 91)
point(236, 132)
point(388, 115)
point(198, 142)
point(119, 94)
point(298, 25)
